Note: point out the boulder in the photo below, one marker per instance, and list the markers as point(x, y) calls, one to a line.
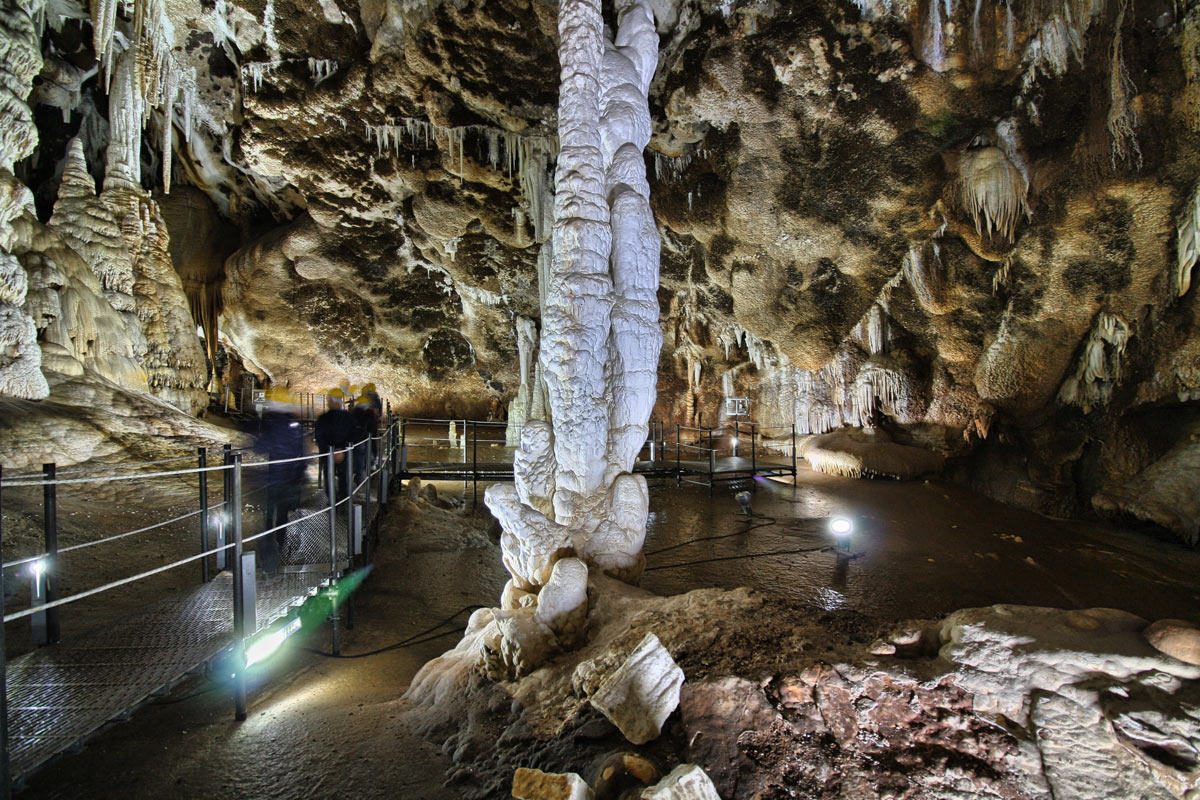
point(533, 784)
point(685, 782)
point(640, 695)
point(1177, 638)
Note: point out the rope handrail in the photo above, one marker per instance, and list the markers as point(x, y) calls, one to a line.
point(20, 482)
point(149, 573)
point(29, 559)
point(32, 475)
point(425, 420)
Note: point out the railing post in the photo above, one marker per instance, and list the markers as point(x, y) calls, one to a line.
point(736, 431)
point(50, 522)
point(753, 456)
point(5, 784)
point(367, 467)
point(203, 462)
point(794, 476)
point(678, 474)
point(350, 490)
point(712, 461)
point(331, 486)
point(226, 507)
point(474, 464)
point(239, 591)
point(403, 469)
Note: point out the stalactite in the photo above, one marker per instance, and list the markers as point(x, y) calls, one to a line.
point(1122, 119)
point(1098, 371)
point(992, 191)
point(929, 276)
point(321, 69)
point(526, 159)
point(1187, 242)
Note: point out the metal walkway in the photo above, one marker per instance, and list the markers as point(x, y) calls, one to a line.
point(60, 696)
point(732, 454)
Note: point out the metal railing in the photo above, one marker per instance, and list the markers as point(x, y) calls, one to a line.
point(223, 518)
point(693, 453)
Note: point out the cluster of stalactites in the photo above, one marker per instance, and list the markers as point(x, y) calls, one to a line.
point(1098, 371)
point(523, 157)
point(992, 190)
point(668, 169)
point(159, 79)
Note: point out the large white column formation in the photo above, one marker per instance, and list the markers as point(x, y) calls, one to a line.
point(20, 61)
point(575, 503)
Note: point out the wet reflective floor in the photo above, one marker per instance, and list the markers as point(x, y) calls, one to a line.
point(917, 550)
point(322, 727)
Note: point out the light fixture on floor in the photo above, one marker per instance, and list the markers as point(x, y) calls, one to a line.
point(743, 498)
point(265, 645)
point(841, 528)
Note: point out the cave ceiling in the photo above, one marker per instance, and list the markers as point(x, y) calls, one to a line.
point(948, 218)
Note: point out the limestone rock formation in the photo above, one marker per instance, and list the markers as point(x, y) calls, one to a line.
point(20, 61)
point(685, 782)
point(533, 784)
point(973, 226)
point(574, 489)
point(640, 695)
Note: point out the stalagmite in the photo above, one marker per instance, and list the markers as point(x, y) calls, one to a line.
point(573, 491)
point(519, 408)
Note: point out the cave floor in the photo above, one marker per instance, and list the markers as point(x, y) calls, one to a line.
point(322, 727)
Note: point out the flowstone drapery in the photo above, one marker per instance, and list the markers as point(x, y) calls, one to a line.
point(575, 504)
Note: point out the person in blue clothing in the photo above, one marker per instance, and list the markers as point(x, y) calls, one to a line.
point(335, 430)
point(280, 439)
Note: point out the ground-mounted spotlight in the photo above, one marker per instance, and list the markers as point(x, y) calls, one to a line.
point(265, 645)
point(841, 528)
point(743, 497)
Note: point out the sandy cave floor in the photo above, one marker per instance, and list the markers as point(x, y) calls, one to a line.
point(322, 727)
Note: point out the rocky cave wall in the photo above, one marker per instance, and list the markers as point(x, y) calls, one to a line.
point(970, 226)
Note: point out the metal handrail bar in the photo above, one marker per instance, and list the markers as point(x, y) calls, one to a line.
point(105, 478)
point(113, 585)
point(459, 419)
point(686, 428)
point(190, 471)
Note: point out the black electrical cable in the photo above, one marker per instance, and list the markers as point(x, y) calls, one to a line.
point(215, 685)
point(411, 641)
point(773, 521)
point(746, 555)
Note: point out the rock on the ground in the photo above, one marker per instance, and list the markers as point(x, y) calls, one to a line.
point(533, 784)
point(640, 695)
point(685, 782)
point(1177, 638)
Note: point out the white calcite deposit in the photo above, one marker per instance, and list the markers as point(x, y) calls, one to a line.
point(640, 695)
point(685, 782)
point(574, 493)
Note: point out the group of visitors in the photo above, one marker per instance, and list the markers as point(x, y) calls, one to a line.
point(339, 427)
point(281, 440)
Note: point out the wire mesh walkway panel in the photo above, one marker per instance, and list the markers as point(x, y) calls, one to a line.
point(59, 696)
